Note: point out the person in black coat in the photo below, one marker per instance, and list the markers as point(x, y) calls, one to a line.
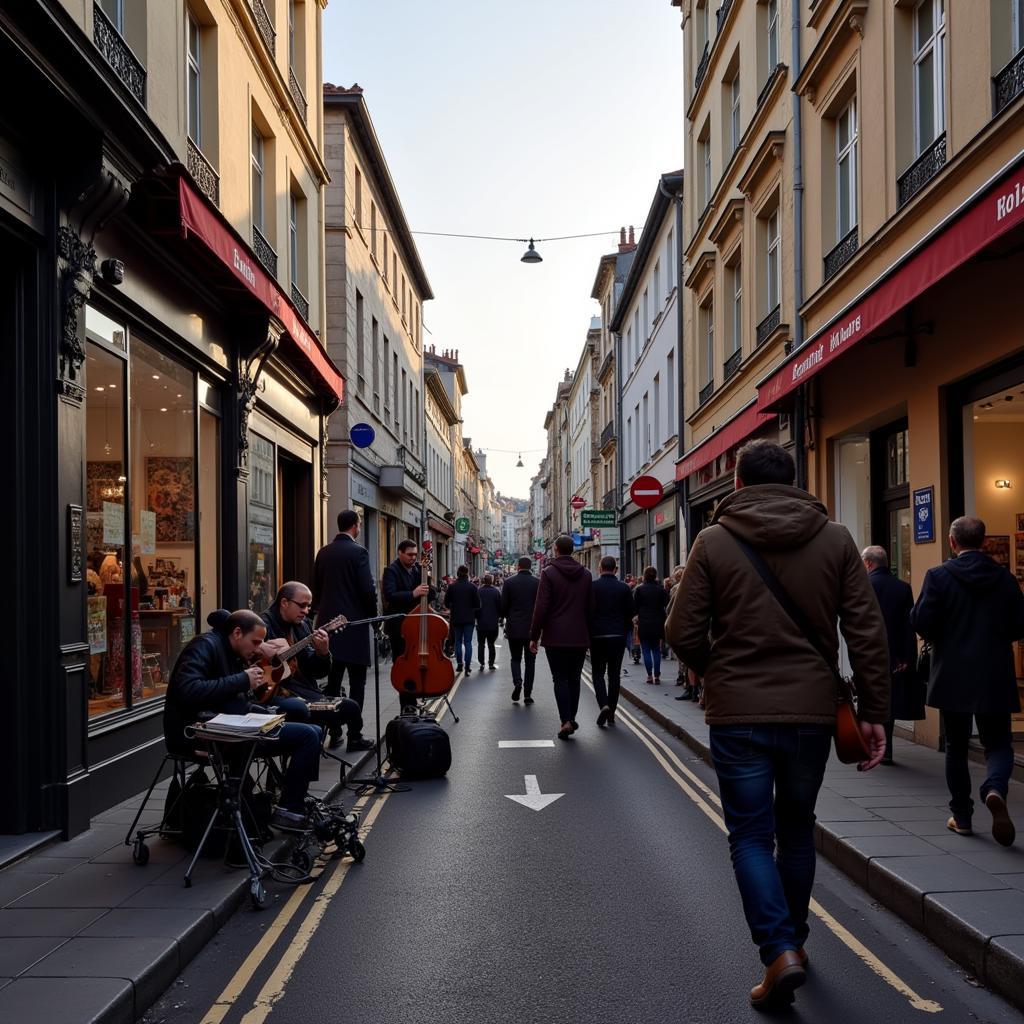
point(518, 596)
point(287, 619)
point(463, 602)
point(488, 619)
point(650, 600)
point(896, 600)
point(213, 673)
point(611, 619)
point(343, 585)
point(971, 610)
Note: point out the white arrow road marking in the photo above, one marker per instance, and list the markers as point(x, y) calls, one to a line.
point(507, 744)
point(534, 799)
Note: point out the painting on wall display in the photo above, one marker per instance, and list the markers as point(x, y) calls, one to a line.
point(997, 547)
point(170, 493)
point(103, 482)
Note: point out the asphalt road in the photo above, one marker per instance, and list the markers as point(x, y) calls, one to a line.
point(614, 903)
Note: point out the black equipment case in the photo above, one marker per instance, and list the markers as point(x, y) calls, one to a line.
point(418, 747)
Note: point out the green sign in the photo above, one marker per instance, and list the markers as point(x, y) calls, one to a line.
point(462, 525)
point(538, 542)
point(598, 517)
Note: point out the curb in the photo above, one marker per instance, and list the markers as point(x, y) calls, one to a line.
point(995, 961)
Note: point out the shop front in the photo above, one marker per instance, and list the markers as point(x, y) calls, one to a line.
point(664, 546)
point(635, 555)
point(441, 535)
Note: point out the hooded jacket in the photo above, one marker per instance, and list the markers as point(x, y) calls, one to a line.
point(971, 610)
point(728, 626)
point(560, 615)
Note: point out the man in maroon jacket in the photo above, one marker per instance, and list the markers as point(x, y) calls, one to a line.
point(560, 624)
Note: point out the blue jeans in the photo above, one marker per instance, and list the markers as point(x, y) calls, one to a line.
point(652, 657)
point(996, 734)
point(768, 778)
point(464, 642)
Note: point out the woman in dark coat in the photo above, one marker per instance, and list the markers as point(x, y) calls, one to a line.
point(650, 600)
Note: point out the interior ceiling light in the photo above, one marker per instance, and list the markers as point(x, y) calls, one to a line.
point(1002, 484)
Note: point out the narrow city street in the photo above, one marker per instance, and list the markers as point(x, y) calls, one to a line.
point(613, 902)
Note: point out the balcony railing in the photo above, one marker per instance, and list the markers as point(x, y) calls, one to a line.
point(301, 302)
point(721, 14)
point(118, 54)
point(610, 500)
point(841, 254)
point(702, 66)
point(264, 251)
point(412, 465)
point(264, 24)
point(203, 173)
point(706, 392)
point(297, 94)
point(922, 170)
point(732, 364)
point(607, 435)
point(1008, 84)
point(768, 325)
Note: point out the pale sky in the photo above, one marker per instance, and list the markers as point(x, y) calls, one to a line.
point(530, 117)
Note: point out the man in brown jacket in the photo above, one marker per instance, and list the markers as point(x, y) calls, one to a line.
point(770, 697)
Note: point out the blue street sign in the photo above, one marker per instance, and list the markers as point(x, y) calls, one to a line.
point(924, 520)
point(362, 435)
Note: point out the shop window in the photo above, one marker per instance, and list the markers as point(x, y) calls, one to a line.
point(209, 507)
point(263, 581)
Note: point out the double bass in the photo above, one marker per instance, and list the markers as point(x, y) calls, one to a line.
point(423, 670)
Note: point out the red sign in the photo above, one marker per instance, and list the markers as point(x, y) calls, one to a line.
point(659, 518)
point(578, 503)
point(646, 491)
point(427, 545)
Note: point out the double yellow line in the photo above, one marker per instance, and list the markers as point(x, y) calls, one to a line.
point(708, 802)
point(276, 984)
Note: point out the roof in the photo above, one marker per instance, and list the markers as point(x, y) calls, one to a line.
point(351, 101)
point(433, 383)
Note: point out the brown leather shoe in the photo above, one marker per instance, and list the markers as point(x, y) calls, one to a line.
point(784, 974)
point(804, 958)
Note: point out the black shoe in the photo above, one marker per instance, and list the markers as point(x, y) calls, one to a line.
point(481, 666)
point(359, 743)
point(334, 740)
point(575, 725)
point(469, 670)
point(516, 691)
point(458, 667)
point(492, 666)
point(527, 700)
point(603, 716)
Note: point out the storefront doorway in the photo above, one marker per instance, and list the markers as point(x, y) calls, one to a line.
point(891, 519)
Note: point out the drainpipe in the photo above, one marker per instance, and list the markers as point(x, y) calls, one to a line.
point(800, 412)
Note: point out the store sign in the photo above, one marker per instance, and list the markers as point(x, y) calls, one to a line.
point(924, 516)
point(462, 525)
point(362, 435)
point(147, 532)
point(113, 523)
point(659, 518)
point(598, 517)
point(578, 503)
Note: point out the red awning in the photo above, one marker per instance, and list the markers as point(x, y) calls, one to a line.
point(964, 234)
point(197, 218)
point(738, 429)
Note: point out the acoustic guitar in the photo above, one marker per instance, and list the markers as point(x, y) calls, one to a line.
point(277, 669)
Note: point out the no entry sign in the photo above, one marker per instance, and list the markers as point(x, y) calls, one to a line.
point(646, 491)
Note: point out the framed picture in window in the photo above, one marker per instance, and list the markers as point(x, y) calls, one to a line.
point(170, 493)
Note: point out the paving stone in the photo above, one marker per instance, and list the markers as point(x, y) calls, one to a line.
point(880, 801)
point(933, 827)
point(191, 928)
point(1015, 881)
point(161, 851)
point(97, 840)
point(16, 882)
point(92, 885)
point(961, 923)
point(828, 810)
point(901, 814)
point(995, 859)
point(849, 829)
point(221, 901)
point(17, 955)
point(62, 923)
point(892, 846)
point(57, 865)
point(67, 1001)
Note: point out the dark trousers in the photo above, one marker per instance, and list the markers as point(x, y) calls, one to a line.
point(606, 654)
point(518, 650)
point(566, 664)
point(356, 691)
point(996, 735)
point(302, 743)
point(768, 778)
point(464, 643)
point(486, 636)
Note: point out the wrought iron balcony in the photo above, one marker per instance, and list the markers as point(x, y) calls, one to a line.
point(297, 94)
point(706, 392)
point(610, 500)
point(721, 14)
point(607, 435)
point(203, 173)
point(732, 364)
point(768, 325)
point(412, 465)
point(301, 302)
point(702, 66)
point(264, 24)
point(921, 171)
point(841, 254)
point(264, 251)
point(118, 54)
point(1008, 84)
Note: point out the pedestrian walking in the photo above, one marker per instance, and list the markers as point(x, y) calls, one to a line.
point(770, 696)
point(611, 615)
point(560, 624)
point(518, 596)
point(896, 600)
point(971, 610)
point(488, 620)
point(463, 602)
point(650, 599)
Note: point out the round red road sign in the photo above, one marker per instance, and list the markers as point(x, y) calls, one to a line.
point(646, 491)
point(578, 503)
point(427, 545)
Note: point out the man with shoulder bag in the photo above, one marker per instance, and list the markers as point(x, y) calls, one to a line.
point(755, 615)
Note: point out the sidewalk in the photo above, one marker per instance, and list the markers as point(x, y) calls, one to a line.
point(887, 830)
point(87, 936)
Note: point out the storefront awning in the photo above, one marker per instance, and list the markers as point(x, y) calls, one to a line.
point(981, 220)
point(731, 433)
point(439, 526)
point(198, 218)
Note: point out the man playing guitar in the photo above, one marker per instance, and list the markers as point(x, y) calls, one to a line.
point(288, 619)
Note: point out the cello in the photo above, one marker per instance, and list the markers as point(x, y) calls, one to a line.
point(423, 670)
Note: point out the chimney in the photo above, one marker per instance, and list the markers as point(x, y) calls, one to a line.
point(632, 240)
point(623, 247)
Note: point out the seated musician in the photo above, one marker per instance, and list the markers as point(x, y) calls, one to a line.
point(402, 587)
point(214, 673)
point(288, 619)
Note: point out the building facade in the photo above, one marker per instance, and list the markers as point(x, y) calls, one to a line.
point(441, 420)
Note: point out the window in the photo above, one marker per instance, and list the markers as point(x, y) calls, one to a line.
point(773, 261)
point(360, 343)
point(647, 429)
point(1017, 25)
point(734, 112)
point(638, 338)
point(114, 10)
point(707, 354)
point(375, 356)
point(657, 412)
point(262, 519)
point(257, 178)
point(193, 80)
point(394, 270)
point(387, 370)
point(293, 236)
point(636, 435)
point(394, 386)
point(670, 393)
point(629, 350)
point(656, 284)
point(357, 213)
point(384, 271)
point(929, 72)
point(405, 410)
point(736, 292)
point(404, 297)
point(647, 313)
point(773, 34)
point(373, 229)
point(703, 25)
point(705, 162)
point(846, 170)
point(669, 256)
